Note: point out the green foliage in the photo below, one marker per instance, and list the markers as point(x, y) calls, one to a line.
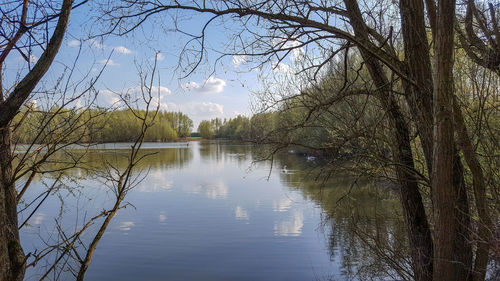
point(206, 130)
point(97, 126)
point(238, 128)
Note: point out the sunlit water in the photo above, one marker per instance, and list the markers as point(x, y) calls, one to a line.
point(205, 211)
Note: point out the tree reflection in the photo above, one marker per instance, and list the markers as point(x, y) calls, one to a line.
point(362, 218)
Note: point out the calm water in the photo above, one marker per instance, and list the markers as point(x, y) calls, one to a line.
point(205, 211)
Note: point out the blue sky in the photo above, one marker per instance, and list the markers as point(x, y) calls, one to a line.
point(204, 94)
point(223, 90)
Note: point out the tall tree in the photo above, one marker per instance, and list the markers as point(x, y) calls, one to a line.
point(21, 26)
point(274, 29)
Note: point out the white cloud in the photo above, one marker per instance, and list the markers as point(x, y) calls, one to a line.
point(209, 86)
point(108, 62)
point(198, 109)
point(282, 67)
point(297, 52)
point(95, 44)
point(74, 43)
point(154, 91)
point(33, 59)
point(122, 50)
point(108, 98)
point(239, 59)
point(285, 43)
point(161, 89)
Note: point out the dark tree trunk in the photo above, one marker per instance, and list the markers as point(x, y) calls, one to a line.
point(12, 261)
point(417, 58)
point(479, 187)
point(416, 220)
point(452, 254)
point(11, 253)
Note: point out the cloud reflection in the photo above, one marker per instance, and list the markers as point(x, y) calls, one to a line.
point(291, 227)
point(162, 217)
point(240, 213)
point(282, 205)
point(213, 190)
point(37, 219)
point(156, 182)
point(126, 225)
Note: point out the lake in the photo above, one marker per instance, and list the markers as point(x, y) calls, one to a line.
point(207, 211)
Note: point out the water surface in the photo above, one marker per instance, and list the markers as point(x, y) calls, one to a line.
point(205, 211)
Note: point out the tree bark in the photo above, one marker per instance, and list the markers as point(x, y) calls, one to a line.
point(451, 260)
point(11, 254)
point(485, 226)
point(417, 59)
point(10, 106)
point(416, 220)
point(12, 260)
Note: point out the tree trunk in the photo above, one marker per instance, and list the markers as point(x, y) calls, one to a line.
point(418, 229)
point(479, 187)
point(11, 254)
point(452, 257)
point(12, 260)
point(417, 58)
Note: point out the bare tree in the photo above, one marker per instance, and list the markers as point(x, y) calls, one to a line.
point(18, 29)
point(271, 30)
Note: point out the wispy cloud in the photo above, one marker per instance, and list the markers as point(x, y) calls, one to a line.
point(33, 59)
point(205, 110)
point(74, 43)
point(239, 59)
point(282, 67)
point(209, 86)
point(122, 50)
point(108, 62)
point(155, 90)
point(95, 44)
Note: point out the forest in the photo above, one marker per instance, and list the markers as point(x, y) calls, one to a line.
point(98, 126)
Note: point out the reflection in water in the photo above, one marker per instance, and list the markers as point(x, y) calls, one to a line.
point(365, 226)
point(240, 213)
point(213, 190)
point(290, 227)
point(157, 181)
point(282, 205)
point(162, 217)
point(37, 219)
point(215, 239)
point(126, 225)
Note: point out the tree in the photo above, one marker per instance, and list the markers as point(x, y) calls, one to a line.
point(206, 130)
point(399, 58)
point(48, 131)
point(21, 26)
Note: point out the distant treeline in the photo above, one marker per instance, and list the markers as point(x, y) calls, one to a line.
point(278, 127)
point(97, 126)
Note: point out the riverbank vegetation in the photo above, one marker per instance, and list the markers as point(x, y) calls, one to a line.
point(408, 91)
point(98, 126)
